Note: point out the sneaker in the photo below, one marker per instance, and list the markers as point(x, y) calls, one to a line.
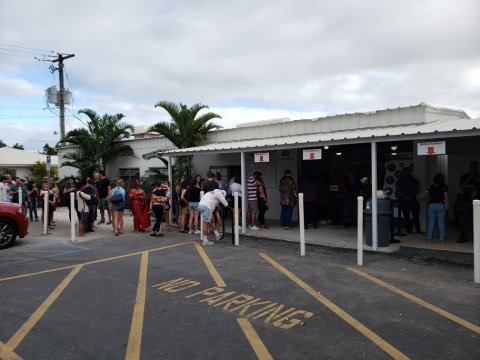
point(254, 227)
point(197, 232)
point(192, 232)
point(207, 243)
point(264, 227)
point(218, 237)
point(101, 222)
point(108, 222)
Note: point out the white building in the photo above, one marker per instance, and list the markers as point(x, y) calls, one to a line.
point(21, 161)
point(364, 143)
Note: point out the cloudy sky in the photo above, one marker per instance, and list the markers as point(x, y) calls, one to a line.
point(247, 60)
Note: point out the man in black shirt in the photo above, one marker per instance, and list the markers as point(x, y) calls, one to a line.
point(407, 188)
point(104, 189)
point(470, 184)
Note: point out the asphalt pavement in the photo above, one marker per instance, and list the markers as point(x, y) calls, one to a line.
point(141, 297)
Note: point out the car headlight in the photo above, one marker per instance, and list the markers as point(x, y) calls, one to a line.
point(21, 211)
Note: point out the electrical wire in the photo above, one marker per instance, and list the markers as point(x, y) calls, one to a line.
point(23, 47)
point(19, 56)
point(27, 52)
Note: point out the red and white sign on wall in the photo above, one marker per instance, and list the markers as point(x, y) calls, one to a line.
point(262, 157)
point(312, 154)
point(431, 148)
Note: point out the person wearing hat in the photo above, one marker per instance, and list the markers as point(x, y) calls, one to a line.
point(206, 207)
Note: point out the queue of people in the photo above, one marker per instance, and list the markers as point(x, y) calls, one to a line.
point(96, 197)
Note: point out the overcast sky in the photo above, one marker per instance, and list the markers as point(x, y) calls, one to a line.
point(246, 60)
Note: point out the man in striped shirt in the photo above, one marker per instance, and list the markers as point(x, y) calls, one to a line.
point(252, 197)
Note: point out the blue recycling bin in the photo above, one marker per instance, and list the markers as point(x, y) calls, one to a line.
point(384, 218)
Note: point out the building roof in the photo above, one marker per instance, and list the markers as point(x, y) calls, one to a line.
point(417, 122)
point(10, 157)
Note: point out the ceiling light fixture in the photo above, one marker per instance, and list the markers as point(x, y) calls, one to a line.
point(394, 147)
point(338, 153)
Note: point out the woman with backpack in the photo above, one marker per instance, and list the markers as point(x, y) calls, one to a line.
point(117, 198)
point(183, 206)
point(437, 197)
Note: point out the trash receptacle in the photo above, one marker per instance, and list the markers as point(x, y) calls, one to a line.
point(384, 214)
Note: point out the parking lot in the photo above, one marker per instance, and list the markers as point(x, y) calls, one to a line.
point(136, 297)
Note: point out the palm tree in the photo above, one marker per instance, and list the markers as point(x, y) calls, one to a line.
point(100, 143)
point(186, 127)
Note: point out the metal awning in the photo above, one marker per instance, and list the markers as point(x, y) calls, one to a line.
point(430, 130)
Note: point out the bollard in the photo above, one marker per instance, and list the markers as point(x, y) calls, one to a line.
point(236, 219)
point(360, 230)
point(45, 212)
point(301, 219)
point(20, 198)
point(73, 215)
point(201, 220)
point(476, 241)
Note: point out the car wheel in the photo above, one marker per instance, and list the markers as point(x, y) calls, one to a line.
point(8, 233)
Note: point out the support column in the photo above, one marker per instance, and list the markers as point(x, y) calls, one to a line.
point(244, 192)
point(170, 180)
point(374, 196)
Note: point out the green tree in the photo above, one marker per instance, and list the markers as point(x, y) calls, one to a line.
point(2, 144)
point(186, 128)
point(99, 144)
point(48, 150)
point(18, 146)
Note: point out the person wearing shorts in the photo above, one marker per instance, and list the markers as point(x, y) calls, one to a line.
point(206, 207)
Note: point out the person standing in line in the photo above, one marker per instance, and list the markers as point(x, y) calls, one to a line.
point(252, 199)
point(118, 207)
point(193, 194)
point(89, 189)
point(209, 185)
point(69, 188)
point(288, 198)
point(138, 202)
point(183, 206)
point(166, 204)
point(83, 208)
point(407, 188)
point(176, 198)
point(310, 197)
point(222, 184)
point(49, 196)
point(437, 197)
point(104, 188)
point(468, 183)
point(262, 200)
point(14, 192)
point(7, 184)
point(158, 195)
point(207, 205)
point(32, 195)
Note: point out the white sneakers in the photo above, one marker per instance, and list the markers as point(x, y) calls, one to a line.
point(254, 227)
point(197, 232)
point(207, 243)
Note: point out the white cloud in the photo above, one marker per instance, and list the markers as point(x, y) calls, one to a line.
point(19, 87)
point(251, 60)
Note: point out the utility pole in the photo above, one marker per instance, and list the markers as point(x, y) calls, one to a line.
point(60, 59)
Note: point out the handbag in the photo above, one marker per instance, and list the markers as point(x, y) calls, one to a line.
point(116, 198)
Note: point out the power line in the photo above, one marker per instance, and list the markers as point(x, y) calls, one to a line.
point(27, 52)
point(19, 56)
point(23, 47)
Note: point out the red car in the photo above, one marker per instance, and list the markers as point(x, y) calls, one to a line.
point(13, 223)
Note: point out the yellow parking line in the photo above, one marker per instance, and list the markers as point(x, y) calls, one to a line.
point(377, 340)
point(211, 268)
point(254, 340)
point(419, 301)
point(135, 337)
point(7, 354)
point(92, 262)
point(17, 338)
